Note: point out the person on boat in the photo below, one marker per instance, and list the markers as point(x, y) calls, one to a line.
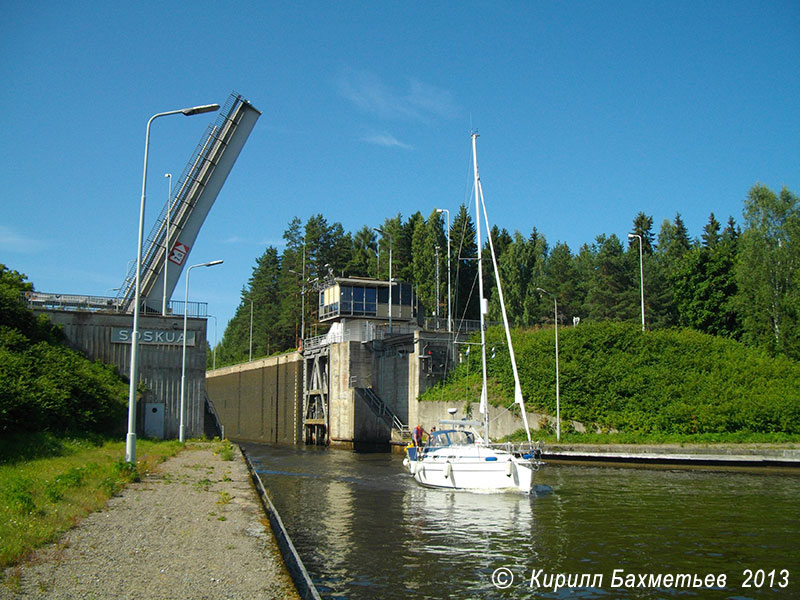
point(418, 435)
point(430, 436)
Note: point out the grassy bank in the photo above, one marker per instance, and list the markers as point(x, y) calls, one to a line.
point(48, 483)
point(616, 378)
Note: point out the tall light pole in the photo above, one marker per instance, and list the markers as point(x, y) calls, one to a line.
point(181, 436)
point(449, 317)
point(558, 398)
point(166, 245)
point(641, 270)
point(436, 259)
point(130, 440)
point(382, 232)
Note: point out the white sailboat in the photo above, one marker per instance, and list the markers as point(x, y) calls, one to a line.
point(463, 459)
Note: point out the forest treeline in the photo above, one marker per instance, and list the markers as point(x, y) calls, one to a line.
point(736, 280)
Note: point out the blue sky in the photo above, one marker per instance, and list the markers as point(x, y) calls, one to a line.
point(588, 112)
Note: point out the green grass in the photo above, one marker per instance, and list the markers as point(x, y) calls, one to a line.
point(615, 378)
point(49, 483)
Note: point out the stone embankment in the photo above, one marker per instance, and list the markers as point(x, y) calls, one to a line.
point(700, 455)
point(193, 529)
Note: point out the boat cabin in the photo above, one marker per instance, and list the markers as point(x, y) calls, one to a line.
point(451, 437)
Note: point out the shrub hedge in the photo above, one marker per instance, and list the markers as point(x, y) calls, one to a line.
point(613, 376)
point(45, 385)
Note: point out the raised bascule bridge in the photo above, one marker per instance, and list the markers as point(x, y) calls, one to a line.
point(101, 327)
point(181, 218)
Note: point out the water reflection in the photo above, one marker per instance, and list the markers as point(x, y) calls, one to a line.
point(365, 529)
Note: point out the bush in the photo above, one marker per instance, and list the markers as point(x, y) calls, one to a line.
point(45, 385)
point(675, 381)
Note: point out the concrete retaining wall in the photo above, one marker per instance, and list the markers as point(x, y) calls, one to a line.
point(97, 335)
point(260, 401)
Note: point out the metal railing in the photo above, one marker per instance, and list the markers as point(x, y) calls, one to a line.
point(379, 407)
point(78, 302)
point(460, 326)
point(72, 302)
point(332, 337)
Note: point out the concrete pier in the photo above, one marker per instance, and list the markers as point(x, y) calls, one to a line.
point(684, 455)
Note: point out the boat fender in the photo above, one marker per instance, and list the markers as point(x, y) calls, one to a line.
point(448, 469)
point(509, 468)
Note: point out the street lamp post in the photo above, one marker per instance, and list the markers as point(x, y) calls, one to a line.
point(166, 245)
point(436, 259)
point(449, 316)
point(558, 399)
point(641, 270)
point(382, 232)
point(130, 440)
point(181, 436)
point(251, 331)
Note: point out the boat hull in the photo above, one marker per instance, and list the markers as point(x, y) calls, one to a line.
point(477, 469)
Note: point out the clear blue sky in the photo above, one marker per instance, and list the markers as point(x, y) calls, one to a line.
point(589, 112)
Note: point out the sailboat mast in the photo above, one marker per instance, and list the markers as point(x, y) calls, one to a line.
point(484, 406)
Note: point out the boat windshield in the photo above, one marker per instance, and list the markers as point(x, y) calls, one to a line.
point(452, 438)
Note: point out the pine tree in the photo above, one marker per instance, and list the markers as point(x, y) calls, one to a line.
point(711, 230)
point(465, 267)
point(560, 279)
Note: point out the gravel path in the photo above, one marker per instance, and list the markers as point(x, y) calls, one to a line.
point(195, 529)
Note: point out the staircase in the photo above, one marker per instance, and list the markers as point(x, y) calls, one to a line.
point(380, 409)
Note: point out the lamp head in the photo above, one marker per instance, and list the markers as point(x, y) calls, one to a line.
point(198, 110)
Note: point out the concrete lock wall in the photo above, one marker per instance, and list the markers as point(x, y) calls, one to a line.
point(106, 337)
point(260, 401)
point(502, 422)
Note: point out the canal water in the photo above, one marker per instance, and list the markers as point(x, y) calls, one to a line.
point(365, 529)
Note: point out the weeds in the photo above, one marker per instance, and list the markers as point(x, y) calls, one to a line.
point(43, 496)
point(225, 451)
point(204, 484)
point(18, 495)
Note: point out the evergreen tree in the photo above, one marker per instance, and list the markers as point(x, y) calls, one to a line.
point(465, 267)
point(395, 235)
point(711, 230)
point(516, 266)
point(426, 237)
point(363, 254)
point(257, 318)
point(643, 226)
point(560, 279)
point(612, 291)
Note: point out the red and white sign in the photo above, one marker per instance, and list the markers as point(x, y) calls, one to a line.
point(179, 253)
